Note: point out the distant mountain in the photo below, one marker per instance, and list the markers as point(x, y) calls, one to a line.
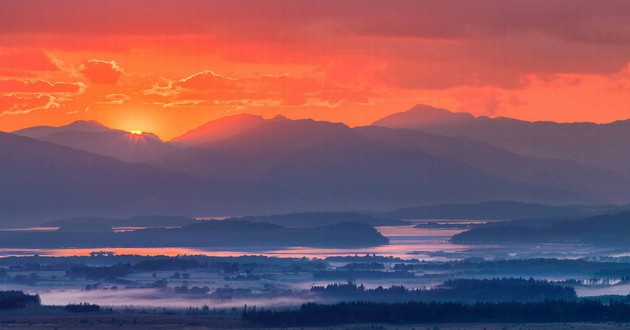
point(316, 219)
point(138, 148)
point(41, 180)
point(250, 154)
point(335, 167)
point(598, 145)
point(281, 166)
point(96, 138)
point(599, 230)
point(217, 234)
point(494, 210)
point(218, 129)
point(150, 221)
point(597, 185)
point(77, 126)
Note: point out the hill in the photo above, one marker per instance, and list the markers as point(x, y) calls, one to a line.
point(37, 132)
point(217, 234)
point(316, 219)
point(493, 210)
point(219, 129)
point(606, 229)
point(332, 166)
point(597, 145)
point(42, 180)
point(97, 138)
point(150, 221)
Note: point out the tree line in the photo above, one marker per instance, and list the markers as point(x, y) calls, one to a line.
point(551, 311)
point(18, 299)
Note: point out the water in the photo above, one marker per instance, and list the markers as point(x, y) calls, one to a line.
point(406, 242)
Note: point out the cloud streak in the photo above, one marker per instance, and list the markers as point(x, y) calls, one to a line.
point(208, 88)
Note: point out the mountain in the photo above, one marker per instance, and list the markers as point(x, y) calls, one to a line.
point(218, 129)
point(139, 148)
point(217, 234)
point(597, 145)
point(283, 166)
point(334, 167)
point(598, 230)
point(250, 154)
point(151, 221)
point(597, 185)
point(79, 126)
point(96, 138)
point(315, 219)
point(493, 210)
point(43, 181)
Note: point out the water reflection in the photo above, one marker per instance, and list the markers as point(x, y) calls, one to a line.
point(406, 242)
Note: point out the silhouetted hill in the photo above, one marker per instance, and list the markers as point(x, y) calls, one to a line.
point(96, 138)
point(599, 230)
point(335, 167)
point(493, 210)
point(218, 129)
point(598, 145)
point(140, 148)
point(284, 166)
point(591, 184)
point(316, 219)
point(78, 126)
point(255, 151)
point(149, 221)
point(369, 174)
point(217, 234)
point(42, 180)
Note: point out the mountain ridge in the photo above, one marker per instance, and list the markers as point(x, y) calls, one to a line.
point(596, 145)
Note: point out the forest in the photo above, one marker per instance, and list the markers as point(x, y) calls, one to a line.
point(551, 311)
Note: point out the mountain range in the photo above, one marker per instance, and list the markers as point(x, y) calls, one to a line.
point(599, 145)
point(248, 165)
point(97, 138)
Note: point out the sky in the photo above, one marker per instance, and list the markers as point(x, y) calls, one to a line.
point(169, 66)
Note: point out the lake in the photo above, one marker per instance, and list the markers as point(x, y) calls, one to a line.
point(406, 242)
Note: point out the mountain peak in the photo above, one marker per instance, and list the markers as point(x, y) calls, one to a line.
point(37, 132)
point(86, 125)
point(424, 115)
point(279, 118)
point(219, 129)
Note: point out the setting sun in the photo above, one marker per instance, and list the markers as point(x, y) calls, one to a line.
point(135, 132)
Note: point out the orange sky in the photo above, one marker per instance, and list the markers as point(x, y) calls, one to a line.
point(168, 66)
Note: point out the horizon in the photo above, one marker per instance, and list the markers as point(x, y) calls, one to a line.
point(174, 67)
point(187, 130)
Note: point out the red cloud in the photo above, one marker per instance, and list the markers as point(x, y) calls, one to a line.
point(18, 105)
point(217, 89)
point(38, 86)
point(101, 72)
point(208, 80)
point(24, 96)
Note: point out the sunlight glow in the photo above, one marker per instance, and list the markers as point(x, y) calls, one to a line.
point(136, 132)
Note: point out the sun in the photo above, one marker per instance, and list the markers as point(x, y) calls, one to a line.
point(136, 132)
